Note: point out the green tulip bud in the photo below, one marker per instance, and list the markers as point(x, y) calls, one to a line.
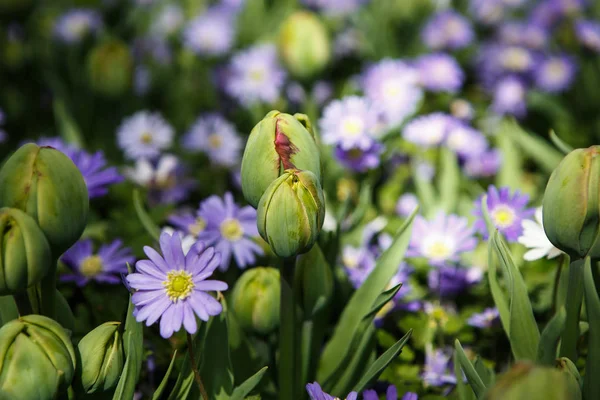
point(24, 252)
point(572, 204)
point(102, 357)
point(304, 44)
point(278, 142)
point(255, 300)
point(525, 381)
point(291, 213)
point(46, 184)
point(110, 68)
point(37, 359)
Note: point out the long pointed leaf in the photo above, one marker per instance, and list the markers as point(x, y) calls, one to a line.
point(133, 338)
point(240, 392)
point(165, 380)
point(550, 336)
point(473, 377)
point(449, 182)
point(591, 385)
point(542, 152)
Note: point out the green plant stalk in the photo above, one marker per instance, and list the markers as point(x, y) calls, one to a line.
point(194, 366)
point(23, 303)
point(46, 291)
point(568, 347)
point(290, 367)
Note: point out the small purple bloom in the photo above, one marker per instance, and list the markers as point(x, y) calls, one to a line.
point(360, 160)
point(440, 72)
point(466, 141)
point(483, 164)
point(255, 75)
point(349, 123)
point(448, 281)
point(104, 266)
point(75, 24)
point(555, 74)
point(406, 204)
point(336, 7)
point(588, 33)
point(144, 135)
point(484, 319)
point(316, 393)
point(488, 12)
point(509, 97)
point(506, 212)
point(437, 367)
point(217, 137)
point(447, 30)
point(428, 130)
point(231, 229)
point(462, 110)
point(390, 394)
point(358, 263)
point(173, 286)
point(167, 21)
point(441, 239)
point(211, 33)
point(528, 34)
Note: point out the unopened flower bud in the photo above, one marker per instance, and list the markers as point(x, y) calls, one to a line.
point(278, 142)
point(102, 357)
point(24, 252)
point(572, 204)
point(255, 300)
point(37, 359)
point(44, 183)
point(110, 68)
point(291, 213)
point(304, 44)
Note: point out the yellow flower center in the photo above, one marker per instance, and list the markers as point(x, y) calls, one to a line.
point(257, 75)
point(516, 59)
point(197, 227)
point(503, 216)
point(231, 229)
point(215, 141)
point(179, 285)
point(352, 126)
point(438, 250)
point(91, 266)
point(146, 138)
point(556, 70)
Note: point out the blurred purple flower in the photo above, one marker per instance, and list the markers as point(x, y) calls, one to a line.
point(439, 72)
point(144, 135)
point(447, 30)
point(465, 140)
point(484, 319)
point(104, 266)
point(588, 33)
point(487, 12)
point(428, 130)
point(231, 229)
point(406, 204)
point(255, 75)
point(167, 20)
point(523, 33)
point(390, 394)
point(509, 97)
point(506, 212)
point(216, 137)
point(483, 164)
point(360, 160)
point(448, 281)
point(174, 286)
point(336, 7)
point(211, 33)
point(555, 73)
point(462, 110)
point(441, 239)
point(349, 123)
point(437, 371)
point(72, 26)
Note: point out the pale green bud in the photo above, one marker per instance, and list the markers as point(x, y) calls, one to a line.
point(102, 357)
point(110, 68)
point(37, 359)
point(291, 213)
point(304, 44)
point(571, 206)
point(46, 184)
point(24, 252)
point(278, 142)
point(255, 300)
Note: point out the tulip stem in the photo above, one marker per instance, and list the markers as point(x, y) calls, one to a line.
point(570, 335)
point(289, 334)
point(23, 303)
point(194, 366)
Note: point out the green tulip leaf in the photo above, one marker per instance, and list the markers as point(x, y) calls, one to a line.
point(240, 392)
point(550, 337)
point(383, 299)
point(143, 216)
point(165, 380)
point(591, 385)
point(449, 181)
point(473, 377)
point(538, 149)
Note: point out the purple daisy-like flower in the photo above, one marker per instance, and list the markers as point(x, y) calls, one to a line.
point(441, 239)
point(393, 86)
point(555, 73)
point(437, 371)
point(214, 135)
point(428, 130)
point(588, 34)
point(316, 393)
point(75, 24)
point(447, 30)
point(173, 286)
point(336, 7)
point(465, 140)
point(104, 266)
point(450, 280)
point(360, 160)
point(484, 164)
point(487, 12)
point(231, 229)
point(390, 394)
point(406, 204)
point(255, 75)
point(506, 212)
point(484, 319)
point(358, 262)
point(211, 33)
point(349, 123)
point(509, 97)
point(528, 34)
point(144, 135)
point(439, 72)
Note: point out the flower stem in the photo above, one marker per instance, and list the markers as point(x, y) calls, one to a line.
point(195, 367)
point(570, 336)
point(23, 303)
point(289, 334)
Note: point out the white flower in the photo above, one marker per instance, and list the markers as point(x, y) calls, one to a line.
point(145, 174)
point(187, 241)
point(144, 135)
point(535, 239)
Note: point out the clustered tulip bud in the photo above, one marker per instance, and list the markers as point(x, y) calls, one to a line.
point(37, 359)
point(304, 44)
point(24, 252)
point(291, 213)
point(110, 68)
point(45, 184)
point(102, 357)
point(278, 142)
point(525, 381)
point(571, 206)
point(255, 300)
